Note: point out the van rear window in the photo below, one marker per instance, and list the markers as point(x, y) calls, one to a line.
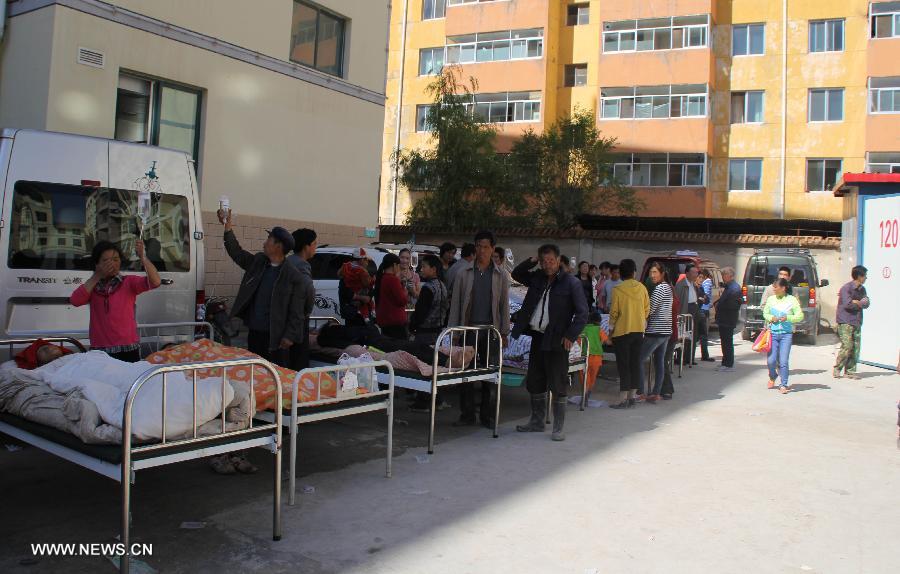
point(764, 270)
point(55, 226)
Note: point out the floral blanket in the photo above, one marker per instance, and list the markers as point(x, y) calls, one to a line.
point(312, 387)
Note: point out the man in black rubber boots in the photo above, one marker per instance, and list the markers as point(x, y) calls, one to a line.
point(554, 313)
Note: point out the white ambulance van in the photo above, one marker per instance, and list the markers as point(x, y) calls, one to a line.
point(61, 194)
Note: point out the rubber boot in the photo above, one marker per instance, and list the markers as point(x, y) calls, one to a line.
point(559, 418)
point(538, 408)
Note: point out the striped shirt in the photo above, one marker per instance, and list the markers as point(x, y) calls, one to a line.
point(660, 321)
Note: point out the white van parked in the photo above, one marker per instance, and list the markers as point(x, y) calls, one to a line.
point(61, 194)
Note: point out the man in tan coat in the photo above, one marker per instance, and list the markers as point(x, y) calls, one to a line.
point(480, 296)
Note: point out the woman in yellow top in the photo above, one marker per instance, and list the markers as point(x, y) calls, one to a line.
point(781, 312)
point(627, 321)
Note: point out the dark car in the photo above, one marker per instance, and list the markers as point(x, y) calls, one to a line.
point(762, 269)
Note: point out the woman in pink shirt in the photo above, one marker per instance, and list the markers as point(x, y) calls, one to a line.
point(112, 297)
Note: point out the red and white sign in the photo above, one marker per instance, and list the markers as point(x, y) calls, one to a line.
point(880, 342)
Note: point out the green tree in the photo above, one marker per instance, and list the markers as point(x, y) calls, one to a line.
point(459, 173)
point(566, 171)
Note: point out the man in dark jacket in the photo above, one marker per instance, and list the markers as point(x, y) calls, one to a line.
point(269, 299)
point(686, 291)
point(554, 312)
point(305, 244)
point(728, 308)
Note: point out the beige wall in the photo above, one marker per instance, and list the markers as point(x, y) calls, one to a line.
point(29, 66)
point(273, 143)
point(265, 26)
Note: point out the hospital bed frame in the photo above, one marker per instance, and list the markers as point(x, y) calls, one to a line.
point(165, 451)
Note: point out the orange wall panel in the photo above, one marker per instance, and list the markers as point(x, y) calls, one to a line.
point(883, 132)
point(656, 68)
point(496, 16)
point(682, 135)
point(636, 9)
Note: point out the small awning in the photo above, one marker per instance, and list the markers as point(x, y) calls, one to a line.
point(850, 182)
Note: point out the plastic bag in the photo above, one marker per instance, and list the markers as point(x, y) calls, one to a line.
point(364, 378)
point(763, 342)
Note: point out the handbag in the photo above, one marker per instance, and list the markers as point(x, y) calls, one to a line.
point(763, 342)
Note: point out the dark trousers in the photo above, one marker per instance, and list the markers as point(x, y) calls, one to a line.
point(299, 355)
point(547, 370)
point(396, 332)
point(132, 356)
point(726, 333)
point(258, 343)
point(668, 387)
point(467, 390)
point(628, 360)
point(703, 330)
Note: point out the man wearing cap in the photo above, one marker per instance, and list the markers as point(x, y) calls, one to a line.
point(270, 298)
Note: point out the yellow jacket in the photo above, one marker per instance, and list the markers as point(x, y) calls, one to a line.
point(630, 308)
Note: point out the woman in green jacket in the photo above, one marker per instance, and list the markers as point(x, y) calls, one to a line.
point(781, 312)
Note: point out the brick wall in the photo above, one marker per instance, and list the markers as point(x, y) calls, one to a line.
point(223, 276)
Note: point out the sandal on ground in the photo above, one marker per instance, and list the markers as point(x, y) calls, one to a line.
point(771, 384)
point(852, 376)
point(222, 464)
point(243, 465)
point(784, 390)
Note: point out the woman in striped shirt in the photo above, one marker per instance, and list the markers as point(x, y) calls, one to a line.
point(659, 329)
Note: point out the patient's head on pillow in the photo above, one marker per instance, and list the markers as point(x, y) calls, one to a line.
point(48, 353)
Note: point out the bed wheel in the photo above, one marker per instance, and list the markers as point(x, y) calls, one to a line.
point(276, 538)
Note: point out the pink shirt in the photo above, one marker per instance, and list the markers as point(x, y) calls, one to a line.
point(113, 322)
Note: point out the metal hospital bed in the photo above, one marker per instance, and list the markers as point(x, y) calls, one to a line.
point(487, 367)
point(330, 408)
point(121, 462)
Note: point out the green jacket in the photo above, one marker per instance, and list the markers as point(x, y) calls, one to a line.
point(787, 306)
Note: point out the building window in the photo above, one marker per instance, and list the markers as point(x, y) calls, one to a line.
point(748, 40)
point(576, 75)
point(883, 162)
point(885, 20)
point(747, 107)
point(61, 241)
point(422, 113)
point(156, 112)
point(495, 46)
point(822, 174)
point(432, 9)
point(656, 34)
point(884, 95)
point(745, 175)
point(826, 36)
point(826, 105)
point(578, 15)
point(505, 107)
point(659, 169)
point(653, 102)
point(431, 61)
point(317, 38)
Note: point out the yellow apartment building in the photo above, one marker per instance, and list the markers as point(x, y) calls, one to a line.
point(720, 108)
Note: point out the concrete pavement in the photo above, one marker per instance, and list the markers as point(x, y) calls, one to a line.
point(727, 477)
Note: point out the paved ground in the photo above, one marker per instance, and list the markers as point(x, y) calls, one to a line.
point(727, 477)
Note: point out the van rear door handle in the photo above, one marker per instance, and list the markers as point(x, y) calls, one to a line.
point(167, 281)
